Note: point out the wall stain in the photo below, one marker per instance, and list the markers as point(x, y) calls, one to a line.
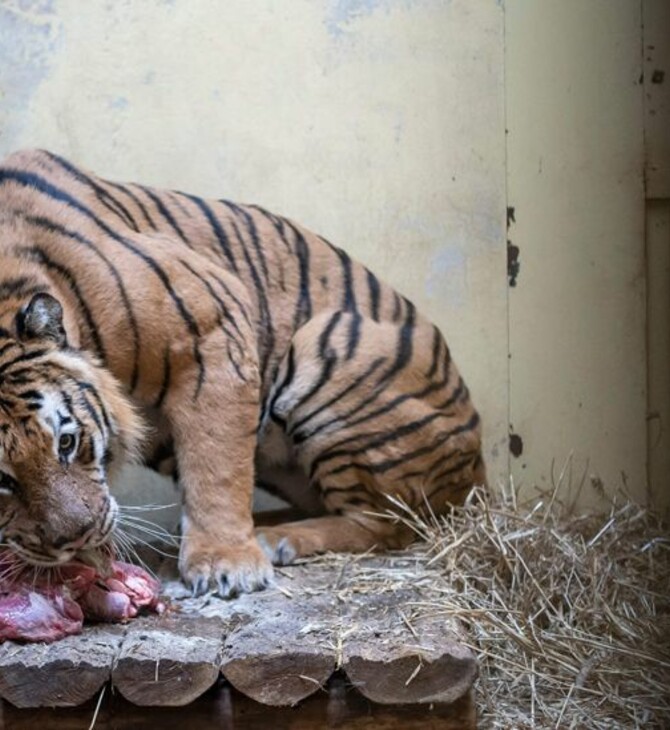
point(515, 444)
point(29, 39)
point(513, 263)
point(343, 13)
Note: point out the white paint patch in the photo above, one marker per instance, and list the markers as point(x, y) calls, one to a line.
point(343, 14)
point(447, 277)
point(30, 35)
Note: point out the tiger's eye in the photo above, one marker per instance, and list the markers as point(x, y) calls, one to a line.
point(66, 444)
point(7, 484)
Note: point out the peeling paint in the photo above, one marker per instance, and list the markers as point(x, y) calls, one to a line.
point(29, 35)
point(342, 14)
point(447, 276)
point(119, 103)
point(513, 263)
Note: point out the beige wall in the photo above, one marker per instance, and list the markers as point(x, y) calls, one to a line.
point(656, 64)
point(575, 179)
point(381, 124)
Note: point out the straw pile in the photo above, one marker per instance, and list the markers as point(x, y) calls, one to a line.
point(569, 616)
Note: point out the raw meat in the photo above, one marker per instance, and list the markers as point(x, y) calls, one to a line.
point(28, 615)
point(47, 605)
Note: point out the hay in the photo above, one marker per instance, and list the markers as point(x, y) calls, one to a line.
point(569, 616)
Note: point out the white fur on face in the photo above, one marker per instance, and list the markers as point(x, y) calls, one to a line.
point(50, 417)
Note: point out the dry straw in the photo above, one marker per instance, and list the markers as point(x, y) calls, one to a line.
point(569, 616)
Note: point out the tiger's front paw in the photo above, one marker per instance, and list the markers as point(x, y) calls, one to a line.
point(224, 569)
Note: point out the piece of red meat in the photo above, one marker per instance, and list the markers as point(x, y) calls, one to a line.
point(29, 615)
point(122, 594)
point(47, 606)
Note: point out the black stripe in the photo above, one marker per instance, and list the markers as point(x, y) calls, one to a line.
point(303, 310)
point(239, 304)
point(104, 198)
point(222, 305)
point(454, 470)
point(217, 229)
point(354, 334)
point(232, 359)
point(286, 381)
point(143, 209)
point(335, 489)
point(348, 296)
point(19, 287)
point(375, 291)
point(278, 225)
point(86, 388)
point(400, 399)
point(397, 307)
point(437, 346)
point(324, 338)
point(165, 383)
point(222, 312)
point(327, 355)
point(266, 335)
point(174, 198)
point(437, 464)
point(404, 348)
point(251, 226)
point(165, 213)
point(34, 395)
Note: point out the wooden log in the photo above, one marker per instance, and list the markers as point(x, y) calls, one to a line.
point(284, 652)
point(393, 658)
point(63, 674)
point(273, 663)
point(168, 660)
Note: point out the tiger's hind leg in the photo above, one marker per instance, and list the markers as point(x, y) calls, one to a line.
point(377, 413)
point(354, 532)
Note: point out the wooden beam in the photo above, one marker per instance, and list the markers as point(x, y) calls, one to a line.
point(168, 660)
point(63, 674)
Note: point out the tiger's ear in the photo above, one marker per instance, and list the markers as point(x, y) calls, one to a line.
point(42, 319)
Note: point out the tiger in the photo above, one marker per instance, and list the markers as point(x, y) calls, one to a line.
point(252, 347)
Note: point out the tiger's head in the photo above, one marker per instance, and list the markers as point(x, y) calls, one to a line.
point(64, 427)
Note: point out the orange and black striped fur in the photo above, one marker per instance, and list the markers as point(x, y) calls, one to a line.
point(257, 346)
